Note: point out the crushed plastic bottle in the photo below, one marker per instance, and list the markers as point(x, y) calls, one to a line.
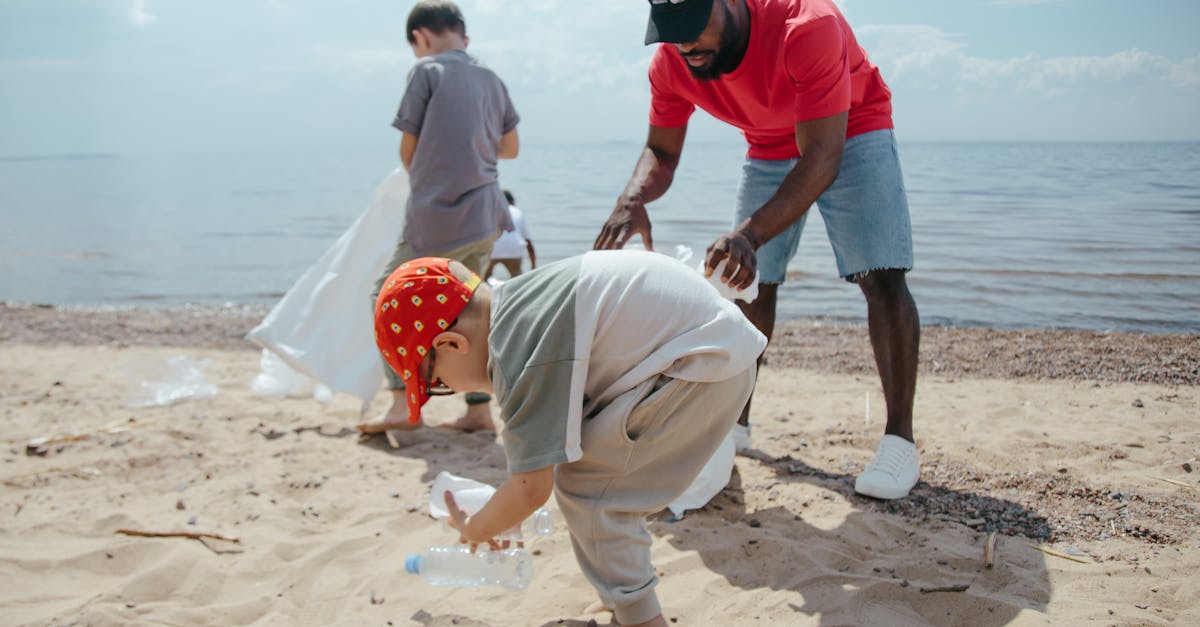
point(183, 379)
point(749, 294)
point(458, 566)
point(472, 495)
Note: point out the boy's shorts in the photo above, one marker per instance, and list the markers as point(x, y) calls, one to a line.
point(865, 210)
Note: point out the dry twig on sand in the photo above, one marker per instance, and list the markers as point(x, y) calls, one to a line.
point(1065, 556)
point(39, 445)
point(960, 587)
point(194, 535)
point(1182, 484)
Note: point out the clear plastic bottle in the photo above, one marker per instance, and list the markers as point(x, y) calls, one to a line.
point(471, 496)
point(458, 566)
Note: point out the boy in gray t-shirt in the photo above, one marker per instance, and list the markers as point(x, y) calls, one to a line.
point(456, 121)
point(614, 415)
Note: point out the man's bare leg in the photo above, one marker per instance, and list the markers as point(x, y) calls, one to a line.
point(895, 329)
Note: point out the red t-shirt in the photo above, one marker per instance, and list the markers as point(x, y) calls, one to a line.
point(802, 63)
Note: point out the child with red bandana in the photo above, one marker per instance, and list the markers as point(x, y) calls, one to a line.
point(614, 415)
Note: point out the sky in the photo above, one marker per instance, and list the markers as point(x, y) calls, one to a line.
point(167, 76)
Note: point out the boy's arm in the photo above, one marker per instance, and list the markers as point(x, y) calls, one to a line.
point(509, 145)
point(519, 496)
point(408, 147)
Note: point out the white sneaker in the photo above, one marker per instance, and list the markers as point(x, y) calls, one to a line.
point(893, 472)
point(741, 438)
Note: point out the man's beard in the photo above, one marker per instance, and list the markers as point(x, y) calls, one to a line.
point(725, 60)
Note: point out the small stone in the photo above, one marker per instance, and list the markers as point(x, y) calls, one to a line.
point(180, 504)
point(1138, 403)
point(754, 522)
point(1187, 467)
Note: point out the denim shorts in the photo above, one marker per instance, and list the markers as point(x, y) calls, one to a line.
point(865, 210)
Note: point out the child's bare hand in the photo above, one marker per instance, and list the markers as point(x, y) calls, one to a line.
point(459, 520)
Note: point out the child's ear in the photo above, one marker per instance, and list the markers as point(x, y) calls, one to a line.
point(421, 37)
point(452, 341)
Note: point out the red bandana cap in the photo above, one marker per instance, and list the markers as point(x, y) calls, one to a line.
point(418, 301)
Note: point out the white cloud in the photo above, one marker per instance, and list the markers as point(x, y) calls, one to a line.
point(1186, 73)
point(138, 14)
point(927, 57)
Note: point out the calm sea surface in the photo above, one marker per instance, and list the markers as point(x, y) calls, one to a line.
point(1087, 236)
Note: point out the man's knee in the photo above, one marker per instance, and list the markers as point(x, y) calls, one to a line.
point(887, 284)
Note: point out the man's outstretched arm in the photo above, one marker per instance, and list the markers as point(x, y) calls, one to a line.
point(651, 178)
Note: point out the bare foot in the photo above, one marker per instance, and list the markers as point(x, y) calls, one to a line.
point(478, 417)
point(396, 418)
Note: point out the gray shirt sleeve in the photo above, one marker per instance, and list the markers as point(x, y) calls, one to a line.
point(510, 112)
point(410, 117)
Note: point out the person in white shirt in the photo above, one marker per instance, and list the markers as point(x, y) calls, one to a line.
point(511, 247)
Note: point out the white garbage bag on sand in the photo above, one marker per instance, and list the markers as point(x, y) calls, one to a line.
point(712, 479)
point(322, 327)
point(276, 378)
point(716, 472)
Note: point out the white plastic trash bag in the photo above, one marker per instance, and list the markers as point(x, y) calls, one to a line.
point(276, 378)
point(323, 327)
point(712, 479)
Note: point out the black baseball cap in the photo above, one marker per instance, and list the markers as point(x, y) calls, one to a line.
point(677, 21)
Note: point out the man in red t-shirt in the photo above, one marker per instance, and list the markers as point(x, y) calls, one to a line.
point(817, 117)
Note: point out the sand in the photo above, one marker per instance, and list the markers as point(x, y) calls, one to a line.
point(1048, 439)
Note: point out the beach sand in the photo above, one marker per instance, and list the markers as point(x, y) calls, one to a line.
point(1084, 444)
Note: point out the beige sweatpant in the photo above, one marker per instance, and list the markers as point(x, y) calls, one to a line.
point(640, 452)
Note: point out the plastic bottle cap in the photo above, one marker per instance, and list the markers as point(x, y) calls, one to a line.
point(412, 564)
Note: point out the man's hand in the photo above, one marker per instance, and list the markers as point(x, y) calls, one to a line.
point(737, 249)
point(627, 218)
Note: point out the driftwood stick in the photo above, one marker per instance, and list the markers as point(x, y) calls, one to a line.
point(961, 587)
point(194, 535)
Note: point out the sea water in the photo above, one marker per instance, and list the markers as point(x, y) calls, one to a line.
point(1102, 236)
